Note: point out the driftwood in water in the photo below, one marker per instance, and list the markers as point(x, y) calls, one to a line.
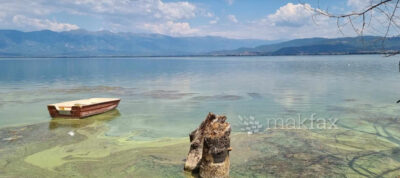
point(209, 148)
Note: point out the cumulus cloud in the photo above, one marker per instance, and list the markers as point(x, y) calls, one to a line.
point(171, 28)
point(209, 14)
point(2, 16)
point(40, 24)
point(177, 18)
point(144, 8)
point(230, 2)
point(24, 7)
point(114, 15)
point(232, 18)
point(215, 21)
point(292, 15)
point(177, 10)
point(288, 22)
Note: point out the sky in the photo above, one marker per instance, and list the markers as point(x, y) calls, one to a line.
point(241, 19)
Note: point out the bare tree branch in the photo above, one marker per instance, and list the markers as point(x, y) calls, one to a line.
point(381, 14)
point(354, 13)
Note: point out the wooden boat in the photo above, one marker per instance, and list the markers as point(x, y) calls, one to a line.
point(82, 108)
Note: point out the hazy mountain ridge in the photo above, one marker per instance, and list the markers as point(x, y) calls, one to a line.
point(103, 43)
point(80, 43)
point(319, 46)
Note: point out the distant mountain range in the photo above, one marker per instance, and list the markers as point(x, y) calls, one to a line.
point(82, 43)
point(320, 46)
point(103, 43)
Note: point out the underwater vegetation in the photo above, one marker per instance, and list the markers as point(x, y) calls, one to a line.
point(166, 94)
point(255, 95)
point(83, 89)
point(364, 147)
point(218, 97)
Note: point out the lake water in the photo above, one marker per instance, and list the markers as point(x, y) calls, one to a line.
point(163, 99)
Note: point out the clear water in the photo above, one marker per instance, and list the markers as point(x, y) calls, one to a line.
point(169, 97)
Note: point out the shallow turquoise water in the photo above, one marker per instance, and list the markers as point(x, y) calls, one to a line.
point(170, 96)
point(163, 99)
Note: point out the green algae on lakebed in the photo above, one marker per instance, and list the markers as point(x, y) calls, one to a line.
point(42, 152)
point(163, 100)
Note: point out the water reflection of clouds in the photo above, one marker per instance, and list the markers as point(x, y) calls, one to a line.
point(290, 98)
point(193, 86)
point(181, 82)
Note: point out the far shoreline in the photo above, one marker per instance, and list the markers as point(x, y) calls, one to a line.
point(156, 56)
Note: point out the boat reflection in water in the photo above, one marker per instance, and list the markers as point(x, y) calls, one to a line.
point(79, 123)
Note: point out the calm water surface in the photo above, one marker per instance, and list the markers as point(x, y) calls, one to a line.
point(169, 97)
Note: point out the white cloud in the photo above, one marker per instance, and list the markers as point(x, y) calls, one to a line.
point(144, 8)
point(171, 28)
point(209, 14)
point(130, 15)
point(177, 18)
point(230, 2)
point(40, 24)
point(215, 21)
point(288, 22)
point(292, 15)
point(232, 18)
point(24, 7)
point(177, 10)
point(2, 16)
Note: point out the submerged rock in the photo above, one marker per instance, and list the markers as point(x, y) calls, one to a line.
point(255, 95)
point(12, 138)
point(209, 148)
point(217, 98)
point(167, 94)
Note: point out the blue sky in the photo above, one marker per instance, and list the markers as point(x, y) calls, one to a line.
point(256, 19)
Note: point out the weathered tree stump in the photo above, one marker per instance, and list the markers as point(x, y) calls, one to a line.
point(209, 148)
